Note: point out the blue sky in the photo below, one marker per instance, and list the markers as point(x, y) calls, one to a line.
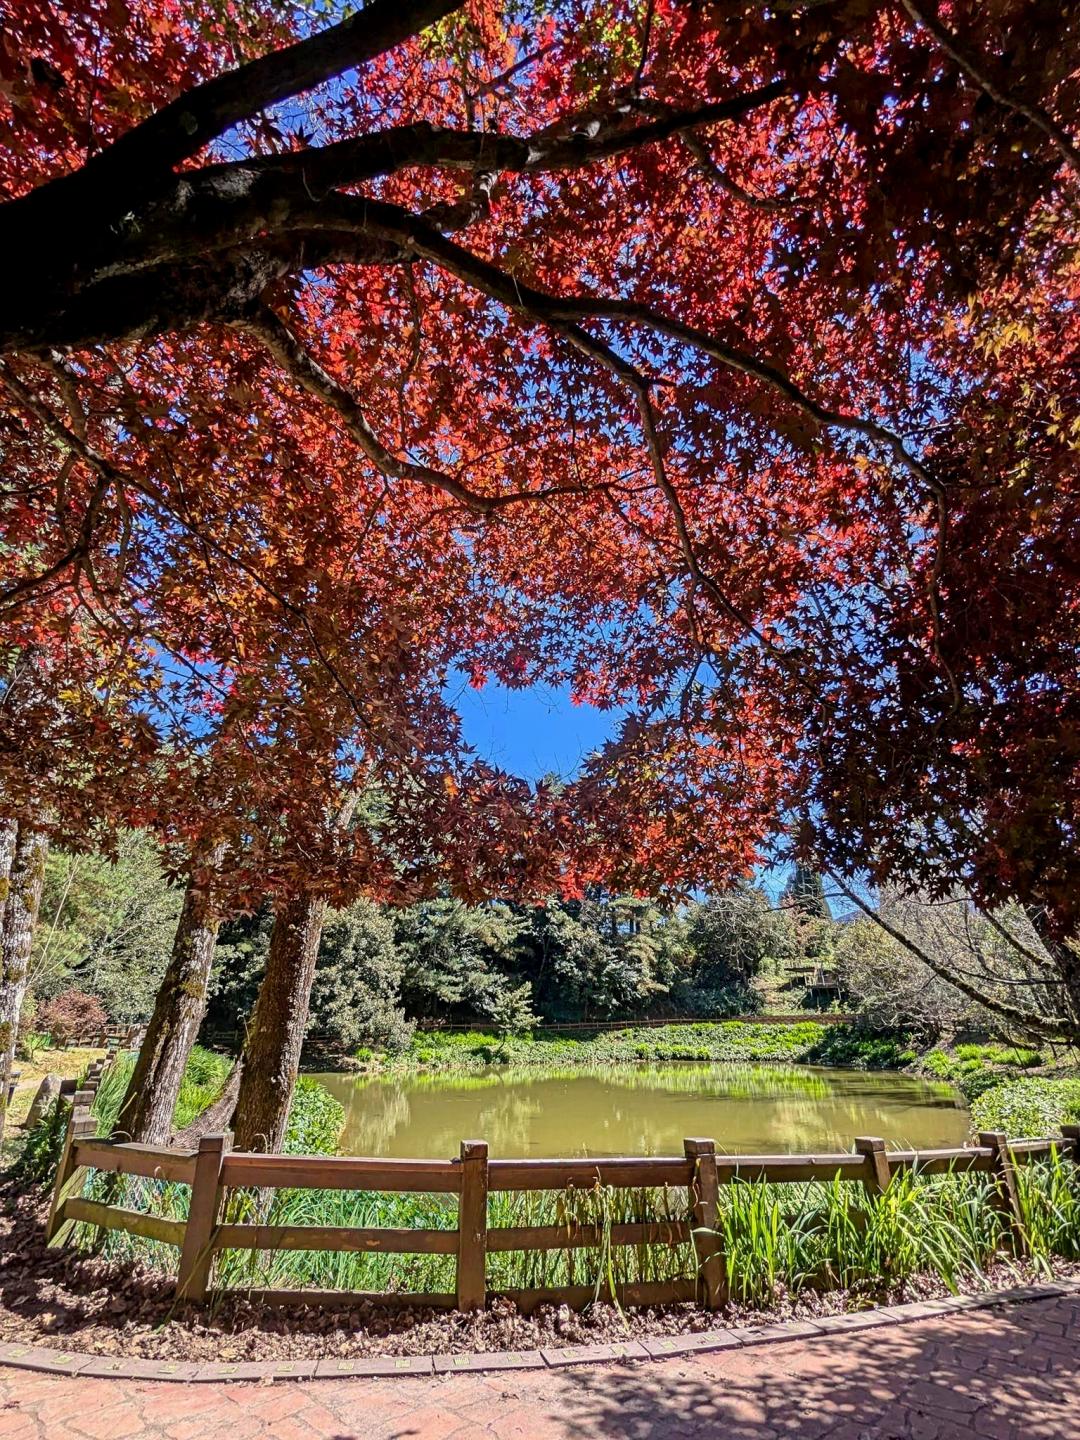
point(531, 732)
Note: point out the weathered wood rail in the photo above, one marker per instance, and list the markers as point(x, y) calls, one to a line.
point(215, 1169)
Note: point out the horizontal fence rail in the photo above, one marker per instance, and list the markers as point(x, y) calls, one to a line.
point(215, 1170)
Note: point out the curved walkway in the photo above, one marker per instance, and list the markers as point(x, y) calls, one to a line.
point(1007, 1373)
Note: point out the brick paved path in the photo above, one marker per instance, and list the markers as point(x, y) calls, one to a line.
point(1009, 1374)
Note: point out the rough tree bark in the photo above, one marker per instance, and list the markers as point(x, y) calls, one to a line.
point(25, 879)
point(275, 1032)
point(147, 1109)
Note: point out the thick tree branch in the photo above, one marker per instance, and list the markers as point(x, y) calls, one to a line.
point(200, 115)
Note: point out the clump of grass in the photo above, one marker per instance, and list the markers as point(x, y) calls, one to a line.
point(1049, 1195)
point(339, 1270)
point(204, 1079)
point(835, 1235)
point(601, 1267)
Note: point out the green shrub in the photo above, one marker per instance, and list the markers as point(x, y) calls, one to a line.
point(939, 1064)
point(315, 1120)
point(1027, 1106)
point(29, 1043)
point(856, 1049)
point(40, 1154)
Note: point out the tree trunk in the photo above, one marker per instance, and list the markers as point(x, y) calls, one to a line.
point(25, 880)
point(1066, 957)
point(275, 1031)
point(147, 1109)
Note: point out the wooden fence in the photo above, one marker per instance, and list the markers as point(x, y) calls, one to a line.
point(127, 1038)
point(215, 1169)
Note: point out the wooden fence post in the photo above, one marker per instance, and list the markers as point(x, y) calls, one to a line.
point(1006, 1197)
point(704, 1205)
point(878, 1173)
point(473, 1226)
point(196, 1255)
point(70, 1177)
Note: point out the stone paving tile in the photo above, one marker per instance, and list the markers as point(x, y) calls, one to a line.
point(707, 1340)
point(376, 1365)
point(1007, 1373)
point(594, 1354)
point(507, 1360)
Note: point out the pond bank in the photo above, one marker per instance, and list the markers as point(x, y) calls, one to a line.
point(1009, 1087)
point(802, 1042)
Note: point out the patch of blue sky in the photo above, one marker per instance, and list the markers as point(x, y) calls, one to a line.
point(533, 732)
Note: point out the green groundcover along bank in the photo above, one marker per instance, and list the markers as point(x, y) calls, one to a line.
point(802, 1042)
point(777, 1239)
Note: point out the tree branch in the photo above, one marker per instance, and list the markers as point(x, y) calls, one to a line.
point(1053, 1026)
point(200, 115)
point(390, 222)
point(291, 354)
point(975, 72)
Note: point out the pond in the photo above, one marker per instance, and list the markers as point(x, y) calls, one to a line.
point(642, 1109)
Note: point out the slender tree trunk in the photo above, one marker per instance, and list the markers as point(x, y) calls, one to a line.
point(147, 1109)
point(276, 1029)
point(9, 830)
point(1066, 957)
point(26, 876)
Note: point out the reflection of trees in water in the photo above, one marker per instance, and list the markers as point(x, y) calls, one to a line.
point(638, 1110)
point(373, 1116)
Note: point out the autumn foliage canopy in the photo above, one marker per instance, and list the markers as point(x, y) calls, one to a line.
point(717, 358)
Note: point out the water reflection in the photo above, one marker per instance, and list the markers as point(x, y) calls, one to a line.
point(642, 1110)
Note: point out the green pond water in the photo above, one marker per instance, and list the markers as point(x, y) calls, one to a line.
point(642, 1110)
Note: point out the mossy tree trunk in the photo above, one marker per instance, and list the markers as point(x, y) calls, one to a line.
point(25, 878)
point(275, 1032)
point(146, 1112)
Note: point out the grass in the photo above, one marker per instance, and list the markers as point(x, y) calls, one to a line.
point(714, 1041)
point(203, 1080)
point(837, 1236)
point(67, 1064)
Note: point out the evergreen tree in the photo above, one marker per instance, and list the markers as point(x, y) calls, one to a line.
point(806, 893)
